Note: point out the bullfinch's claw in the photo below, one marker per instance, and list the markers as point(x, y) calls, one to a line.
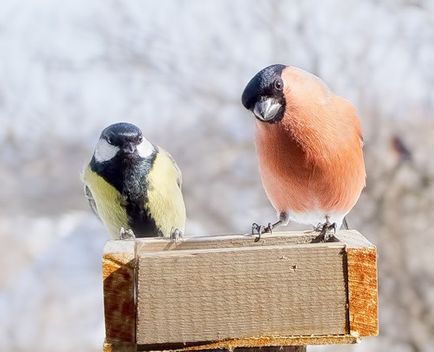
point(256, 229)
point(326, 231)
point(126, 234)
point(260, 229)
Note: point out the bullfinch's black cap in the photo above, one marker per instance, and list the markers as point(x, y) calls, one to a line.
point(267, 82)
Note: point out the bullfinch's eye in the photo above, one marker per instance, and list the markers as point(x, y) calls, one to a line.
point(278, 84)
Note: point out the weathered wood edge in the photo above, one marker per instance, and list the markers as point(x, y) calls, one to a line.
point(362, 290)
point(349, 237)
point(353, 239)
point(263, 342)
point(119, 347)
point(187, 252)
point(118, 266)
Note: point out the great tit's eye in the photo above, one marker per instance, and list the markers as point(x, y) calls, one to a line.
point(109, 140)
point(278, 84)
point(140, 140)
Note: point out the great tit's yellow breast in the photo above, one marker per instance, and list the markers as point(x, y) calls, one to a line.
point(165, 200)
point(108, 202)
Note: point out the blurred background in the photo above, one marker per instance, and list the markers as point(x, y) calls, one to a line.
point(177, 69)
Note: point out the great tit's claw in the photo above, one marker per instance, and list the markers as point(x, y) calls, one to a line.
point(176, 236)
point(126, 235)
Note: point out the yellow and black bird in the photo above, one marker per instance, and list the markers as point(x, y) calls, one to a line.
point(134, 186)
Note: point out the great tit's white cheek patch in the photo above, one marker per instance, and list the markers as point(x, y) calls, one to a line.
point(145, 149)
point(104, 151)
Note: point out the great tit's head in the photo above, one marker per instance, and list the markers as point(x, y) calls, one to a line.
point(124, 139)
point(264, 94)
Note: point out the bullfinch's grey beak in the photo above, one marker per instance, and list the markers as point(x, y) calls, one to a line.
point(266, 110)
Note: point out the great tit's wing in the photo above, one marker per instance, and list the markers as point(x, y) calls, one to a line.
point(177, 170)
point(91, 200)
point(164, 201)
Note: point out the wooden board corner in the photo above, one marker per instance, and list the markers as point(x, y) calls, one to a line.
point(362, 290)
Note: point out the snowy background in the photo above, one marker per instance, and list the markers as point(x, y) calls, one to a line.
point(177, 69)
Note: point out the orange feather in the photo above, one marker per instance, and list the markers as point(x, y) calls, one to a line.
point(312, 160)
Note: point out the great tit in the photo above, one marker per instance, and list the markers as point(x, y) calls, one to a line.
point(134, 186)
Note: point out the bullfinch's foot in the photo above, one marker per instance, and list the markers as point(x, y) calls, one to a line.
point(326, 231)
point(126, 234)
point(260, 229)
point(176, 236)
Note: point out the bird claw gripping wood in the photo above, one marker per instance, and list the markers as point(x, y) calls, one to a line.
point(127, 235)
point(260, 229)
point(176, 236)
point(326, 231)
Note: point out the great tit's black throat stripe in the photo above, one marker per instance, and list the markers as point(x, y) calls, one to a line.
point(129, 176)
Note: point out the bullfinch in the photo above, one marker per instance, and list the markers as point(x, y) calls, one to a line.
point(309, 147)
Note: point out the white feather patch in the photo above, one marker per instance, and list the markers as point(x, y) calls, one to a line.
point(317, 217)
point(145, 149)
point(104, 151)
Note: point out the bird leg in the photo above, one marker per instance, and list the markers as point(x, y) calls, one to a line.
point(176, 235)
point(126, 234)
point(326, 231)
point(260, 229)
point(345, 224)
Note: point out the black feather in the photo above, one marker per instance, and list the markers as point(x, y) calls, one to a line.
point(128, 174)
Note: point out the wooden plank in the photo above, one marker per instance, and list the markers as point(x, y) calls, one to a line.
point(353, 239)
point(243, 291)
point(263, 343)
point(153, 244)
point(119, 295)
point(362, 278)
point(119, 347)
point(268, 349)
point(362, 291)
point(225, 241)
point(180, 284)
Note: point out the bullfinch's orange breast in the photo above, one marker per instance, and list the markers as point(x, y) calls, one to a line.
point(298, 182)
point(284, 170)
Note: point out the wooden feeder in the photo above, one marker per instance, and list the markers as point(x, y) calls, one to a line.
point(226, 292)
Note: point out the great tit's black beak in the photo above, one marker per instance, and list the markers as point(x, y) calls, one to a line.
point(129, 148)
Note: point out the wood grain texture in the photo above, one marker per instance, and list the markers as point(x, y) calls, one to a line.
point(362, 278)
point(119, 347)
point(258, 343)
point(222, 293)
point(270, 349)
point(119, 292)
point(262, 343)
point(362, 291)
point(225, 241)
point(263, 349)
point(229, 292)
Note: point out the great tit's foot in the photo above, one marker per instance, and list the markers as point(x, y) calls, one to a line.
point(126, 234)
point(260, 229)
point(326, 231)
point(176, 236)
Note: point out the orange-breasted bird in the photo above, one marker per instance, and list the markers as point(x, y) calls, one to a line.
point(309, 145)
